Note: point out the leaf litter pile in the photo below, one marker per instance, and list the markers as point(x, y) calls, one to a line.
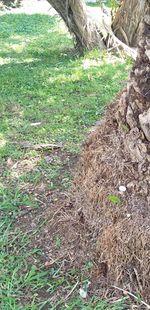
point(114, 206)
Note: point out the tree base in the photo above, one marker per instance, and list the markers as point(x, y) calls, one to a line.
point(119, 220)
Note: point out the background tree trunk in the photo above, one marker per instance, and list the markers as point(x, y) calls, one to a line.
point(79, 22)
point(127, 23)
point(134, 109)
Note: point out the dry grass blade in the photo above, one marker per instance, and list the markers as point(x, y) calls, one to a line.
point(132, 295)
point(72, 290)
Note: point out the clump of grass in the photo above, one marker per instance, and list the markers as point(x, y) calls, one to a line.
point(114, 199)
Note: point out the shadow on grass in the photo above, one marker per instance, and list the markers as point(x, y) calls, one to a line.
point(44, 83)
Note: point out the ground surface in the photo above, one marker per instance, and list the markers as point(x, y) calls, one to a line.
point(48, 95)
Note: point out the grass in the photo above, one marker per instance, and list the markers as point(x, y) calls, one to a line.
point(48, 95)
point(113, 4)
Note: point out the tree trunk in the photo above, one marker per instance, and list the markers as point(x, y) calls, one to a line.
point(134, 109)
point(127, 23)
point(118, 153)
point(79, 22)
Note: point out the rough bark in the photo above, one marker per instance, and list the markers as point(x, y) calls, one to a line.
point(79, 22)
point(134, 108)
point(127, 23)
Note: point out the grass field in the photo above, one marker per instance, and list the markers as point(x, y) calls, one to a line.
point(47, 95)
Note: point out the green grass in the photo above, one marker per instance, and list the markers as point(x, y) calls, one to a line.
point(41, 81)
point(113, 4)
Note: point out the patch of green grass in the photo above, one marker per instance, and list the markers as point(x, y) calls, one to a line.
point(113, 4)
point(47, 96)
point(18, 277)
point(93, 4)
point(114, 199)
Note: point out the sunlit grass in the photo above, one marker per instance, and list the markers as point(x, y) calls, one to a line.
point(2, 141)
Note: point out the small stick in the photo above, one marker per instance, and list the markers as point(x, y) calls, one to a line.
point(132, 295)
point(49, 264)
point(118, 300)
point(42, 146)
point(25, 212)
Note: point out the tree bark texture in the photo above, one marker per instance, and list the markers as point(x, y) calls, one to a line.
point(134, 109)
point(127, 24)
point(79, 22)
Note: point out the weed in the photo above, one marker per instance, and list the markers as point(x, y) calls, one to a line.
point(114, 199)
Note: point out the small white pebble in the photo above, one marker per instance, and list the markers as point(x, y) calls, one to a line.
point(122, 188)
point(83, 293)
point(128, 215)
